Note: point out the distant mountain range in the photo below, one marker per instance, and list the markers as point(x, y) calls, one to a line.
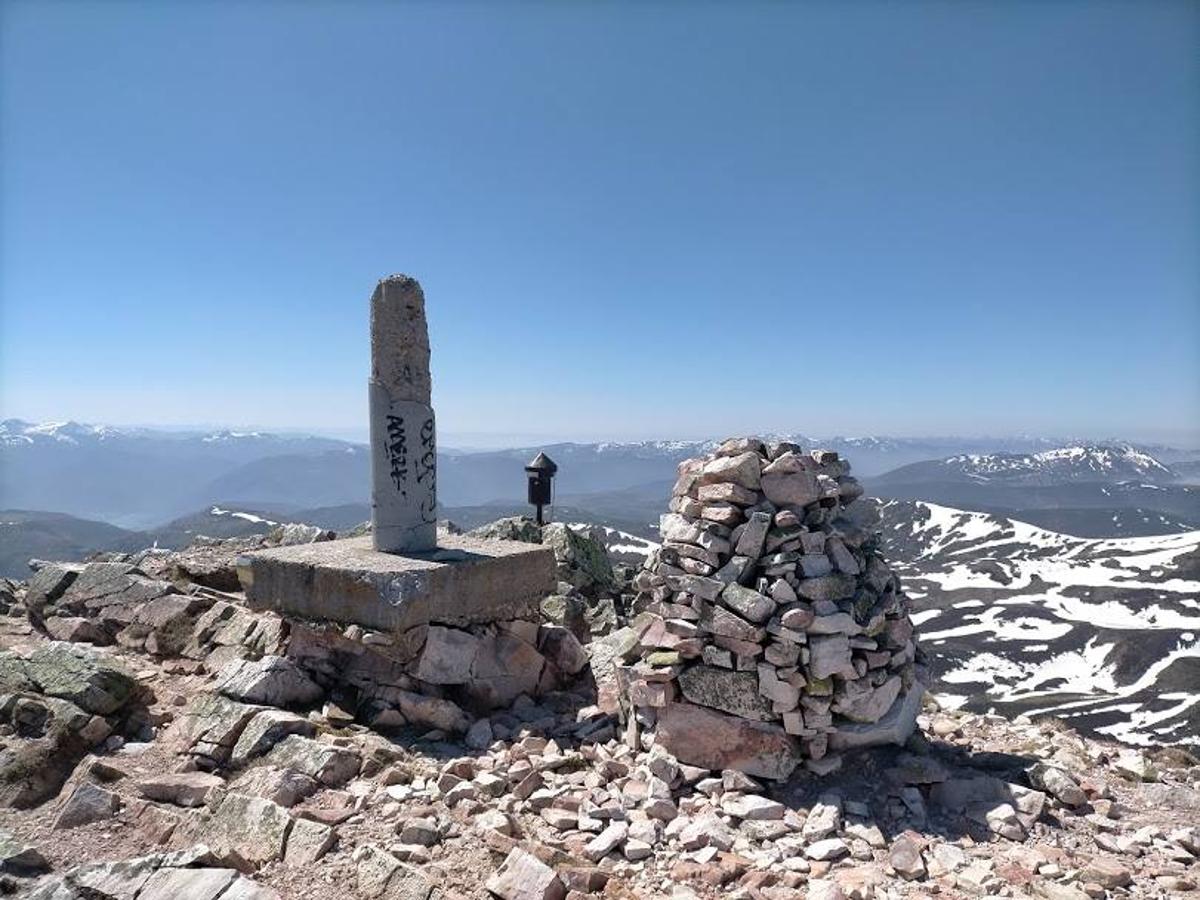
point(1093, 490)
point(138, 478)
point(159, 486)
point(1062, 465)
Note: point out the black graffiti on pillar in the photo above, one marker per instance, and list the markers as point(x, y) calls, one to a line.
point(427, 471)
point(397, 453)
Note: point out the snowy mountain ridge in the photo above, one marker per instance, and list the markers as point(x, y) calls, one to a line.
point(1082, 462)
point(19, 431)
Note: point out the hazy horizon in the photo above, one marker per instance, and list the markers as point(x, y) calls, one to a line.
point(477, 440)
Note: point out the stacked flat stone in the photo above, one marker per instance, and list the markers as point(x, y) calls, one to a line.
point(766, 605)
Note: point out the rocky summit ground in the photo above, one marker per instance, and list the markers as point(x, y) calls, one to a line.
point(139, 772)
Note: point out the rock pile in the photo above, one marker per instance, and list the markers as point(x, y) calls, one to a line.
point(772, 630)
point(56, 704)
point(433, 675)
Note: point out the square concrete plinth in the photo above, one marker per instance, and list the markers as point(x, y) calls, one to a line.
point(465, 581)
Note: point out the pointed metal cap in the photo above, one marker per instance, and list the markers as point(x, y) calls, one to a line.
point(542, 463)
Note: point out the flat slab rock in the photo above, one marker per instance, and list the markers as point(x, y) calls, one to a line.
point(699, 736)
point(464, 581)
point(193, 873)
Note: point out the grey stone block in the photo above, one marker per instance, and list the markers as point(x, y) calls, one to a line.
point(893, 728)
point(464, 581)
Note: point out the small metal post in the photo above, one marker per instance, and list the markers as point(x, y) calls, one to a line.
point(540, 473)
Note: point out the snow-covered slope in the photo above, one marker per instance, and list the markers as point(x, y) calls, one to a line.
point(1062, 465)
point(1105, 633)
point(622, 546)
point(17, 432)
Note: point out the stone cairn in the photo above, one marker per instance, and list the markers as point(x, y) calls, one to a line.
point(772, 630)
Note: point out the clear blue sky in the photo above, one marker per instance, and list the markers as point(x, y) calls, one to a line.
point(630, 220)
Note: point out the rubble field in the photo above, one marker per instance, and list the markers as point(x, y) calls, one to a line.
point(160, 740)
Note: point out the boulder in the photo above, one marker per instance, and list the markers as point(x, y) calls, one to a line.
point(569, 610)
point(210, 727)
point(479, 736)
point(88, 678)
point(753, 537)
point(180, 788)
point(194, 874)
point(744, 469)
point(164, 626)
point(380, 874)
point(752, 807)
point(86, 804)
point(48, 584)
point(789, 489)
point(1107, 871)
point(827, 587)
point(329, 764)
point(110, 594)
point(14, 676)
point(562, 650)
point(307, 842)
point(447, 656)
point(374, 868)
point(298, 533)
point(867, 704)
point(905, 857)
point(503, 668)
point(284, 786)
point(1058, 784)
point(830, 655)
point(581, 559)
point(720, 621)
point(515, 528)
point(433, 712)
point(605, 654)
point(20, 858)
point(265, 730)
point(76, 630)
point(522, 876)
point(195, 884)
point(825, 817)
point(211, 563)
point(52, 735)
point(273, 680)
point(698, 736)
point(1136, 765)
point(248, 828)
point(827, 849)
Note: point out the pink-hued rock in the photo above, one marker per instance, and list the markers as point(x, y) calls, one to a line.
point(703, 737)
point(522, 876)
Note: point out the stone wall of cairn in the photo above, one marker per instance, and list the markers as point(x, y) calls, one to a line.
point(772, 632)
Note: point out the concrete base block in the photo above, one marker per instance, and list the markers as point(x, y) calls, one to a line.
point(464, 581)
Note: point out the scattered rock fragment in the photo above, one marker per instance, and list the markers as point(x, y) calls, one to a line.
point(182, 788)
point(522, 876)
point(87, 803)
point(20, 858)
